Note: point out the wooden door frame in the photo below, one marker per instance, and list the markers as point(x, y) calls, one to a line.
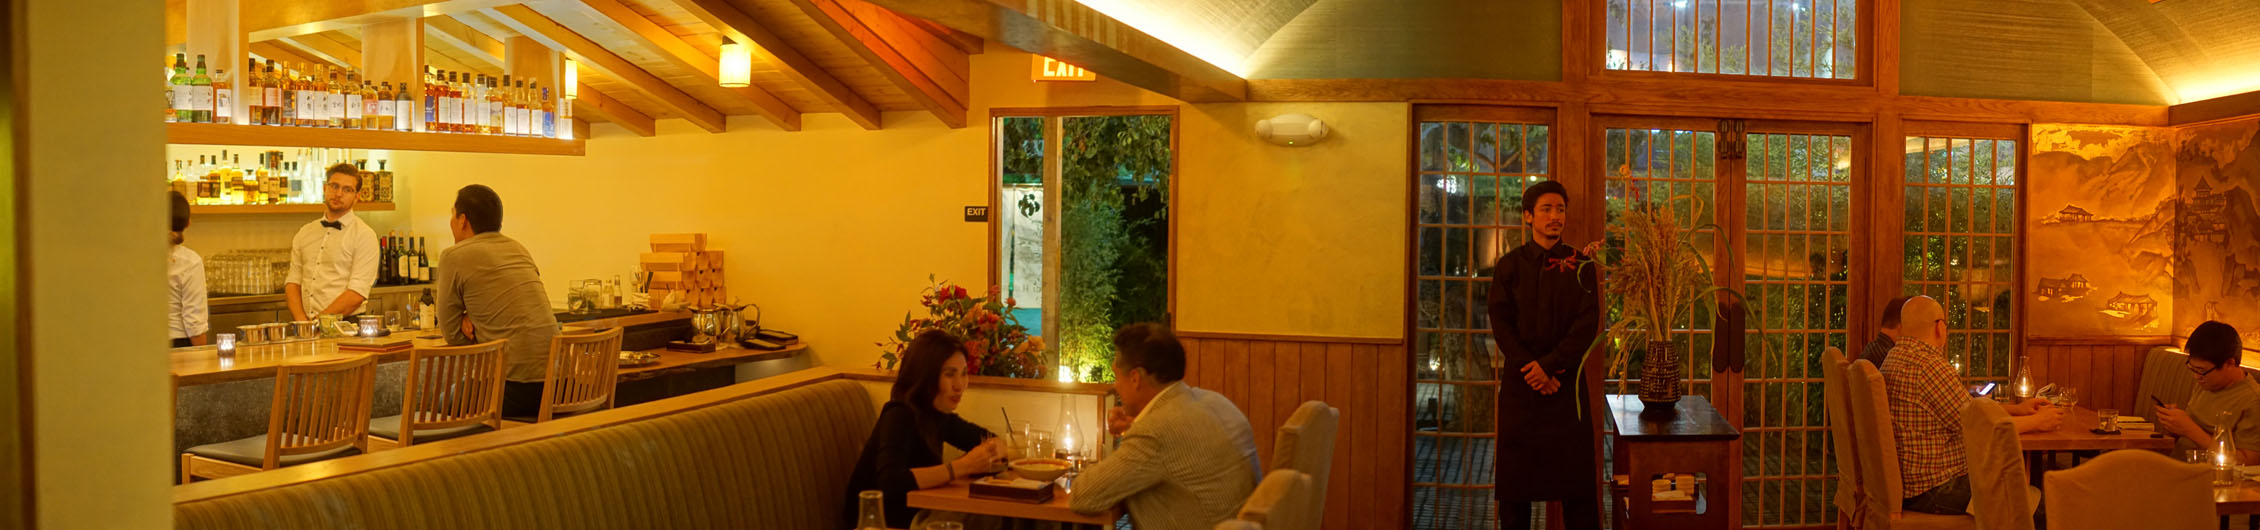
point(17, 505)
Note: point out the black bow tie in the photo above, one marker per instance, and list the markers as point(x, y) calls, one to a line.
point(333, 225)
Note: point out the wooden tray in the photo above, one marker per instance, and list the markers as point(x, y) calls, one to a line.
point(982, 489)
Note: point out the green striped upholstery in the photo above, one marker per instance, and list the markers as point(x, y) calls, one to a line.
point(2165, 375)
point(774, 461)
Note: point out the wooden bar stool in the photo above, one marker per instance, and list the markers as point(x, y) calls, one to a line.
point(450, 392)
point(320, 411)
point(583, 368)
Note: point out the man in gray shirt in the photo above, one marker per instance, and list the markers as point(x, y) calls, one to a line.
point(489, 289)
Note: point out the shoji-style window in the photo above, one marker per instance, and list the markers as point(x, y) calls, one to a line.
point(1473, 166)
point(1960, 239)
point(1817, 39)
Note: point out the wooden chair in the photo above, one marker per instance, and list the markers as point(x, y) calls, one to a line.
point(1879, 457)
point(1306, 444)
point(320, 411)
point(1851, 496)
point(2131, 489)
point(1999, 497)
point(450, 392)
point(1282, 502)
point(583, 368)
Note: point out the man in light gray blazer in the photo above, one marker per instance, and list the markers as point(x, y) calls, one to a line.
point(1187, 457)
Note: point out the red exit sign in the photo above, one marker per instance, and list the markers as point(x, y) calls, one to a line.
point(1049, 69)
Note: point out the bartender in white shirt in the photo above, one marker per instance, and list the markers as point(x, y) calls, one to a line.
point(188, 317)
point(333, 260)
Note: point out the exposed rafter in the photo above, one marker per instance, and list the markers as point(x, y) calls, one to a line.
point(283, 56)
point(1084, 37)
point(596, 104)
point(324, 49)
point(628, 32)
point(884, 40)
point(770, 48)
point(969, 43)
point(454, 36)
point(483, 24)
point(531, 24)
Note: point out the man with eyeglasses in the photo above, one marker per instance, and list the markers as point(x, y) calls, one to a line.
point(333, 260)
point(2223, 389)
point(1926, 396)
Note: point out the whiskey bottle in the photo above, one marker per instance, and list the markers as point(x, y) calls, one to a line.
point(179, 89)
point(382, 107)
point(273, 105)
point(223, 97)
point(253, 97)
point(200, 94)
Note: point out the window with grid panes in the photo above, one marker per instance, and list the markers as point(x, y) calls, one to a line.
point(1960, 245)
point(1776, 38)
point(1469, 189)
point(1665, 165)
point(1797, 223)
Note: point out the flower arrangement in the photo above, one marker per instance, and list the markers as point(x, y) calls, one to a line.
point(995, 342)
point(1658, 275)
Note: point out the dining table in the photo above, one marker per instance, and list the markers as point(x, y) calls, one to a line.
point(957, 497)
point(2242, 499)
point(2076, 434)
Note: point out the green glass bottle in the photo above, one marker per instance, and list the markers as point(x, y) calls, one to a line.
point(179, 84)
point(200, 94)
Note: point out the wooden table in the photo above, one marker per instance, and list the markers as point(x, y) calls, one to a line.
point(2074, 435)
point(956, 498)
point(1695, 440)
point(2244, 499)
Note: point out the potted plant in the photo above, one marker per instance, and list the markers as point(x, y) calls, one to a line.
point(995, 342)
point(1657, 274)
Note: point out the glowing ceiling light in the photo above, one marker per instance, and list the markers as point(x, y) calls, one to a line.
point(737, 64)
point(1171, 26)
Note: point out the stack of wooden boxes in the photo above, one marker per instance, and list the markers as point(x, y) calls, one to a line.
point(681, 263)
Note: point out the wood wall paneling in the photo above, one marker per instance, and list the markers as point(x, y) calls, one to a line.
point(1366, 381)
point(2106, 370)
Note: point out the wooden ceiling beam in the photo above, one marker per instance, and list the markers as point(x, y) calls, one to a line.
point(324, 49)
point(480, 22)
point(2216, 109)
point(283, 56)
point(965, 42)
point(629, 29)
point(592, 103)
point(453, 35)
point(770, 48)
point(531, 24)
point(1081, 36)
point(910, 66)
point(267, 20)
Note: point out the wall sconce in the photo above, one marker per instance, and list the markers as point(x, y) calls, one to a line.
point(737, 64)
point(572, 79)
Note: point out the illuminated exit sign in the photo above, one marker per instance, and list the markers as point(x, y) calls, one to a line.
point(1049, 69)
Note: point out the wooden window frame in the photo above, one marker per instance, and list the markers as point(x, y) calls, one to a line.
point(1053, 129)
point(1864, 52)
point(1896, 229)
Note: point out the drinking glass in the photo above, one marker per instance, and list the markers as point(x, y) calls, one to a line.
point(392, 320)
point(871, 510)
point(2065, 397)
point(2107, 420)
point(1039, 442)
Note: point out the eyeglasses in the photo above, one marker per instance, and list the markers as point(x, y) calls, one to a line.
point(339, 188)
point(2201, 373)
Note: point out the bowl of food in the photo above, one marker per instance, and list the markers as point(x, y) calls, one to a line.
point(1044, 469)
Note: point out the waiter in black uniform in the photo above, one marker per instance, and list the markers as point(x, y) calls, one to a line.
point(1545, 311)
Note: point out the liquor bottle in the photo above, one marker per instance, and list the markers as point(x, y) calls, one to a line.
point(381, 108)
point(390, 256)
point(407, 266)
point(223, 97)
point(427, 312)
point(495, 106)
point(475, 104)
point(401, 105)
point(336, 90)
point(253, 95)
point(200, 94)
point(286, 88)
point(423, 260)
point(513, 122)
point(431, 101)
point(179, 90)
point(564, 115)
point(274, 94)
point(550, 116)
point(520, 108)
point(309, 105)
point(371, 101)
point(449, 107)
point(355, 115)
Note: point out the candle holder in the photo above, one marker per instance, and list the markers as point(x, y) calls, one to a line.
point(226, 344)
point(371, 326)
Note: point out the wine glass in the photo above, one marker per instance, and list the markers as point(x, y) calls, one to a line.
point(2065, 397)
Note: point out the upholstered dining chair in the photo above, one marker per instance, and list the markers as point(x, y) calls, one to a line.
point(1879, 457)
point(2131, 489)
point(1283, 501)
point(1999, 497)
point(1306, 443)
point(1851, 495)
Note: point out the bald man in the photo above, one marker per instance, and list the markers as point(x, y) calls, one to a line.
point(1926, 398)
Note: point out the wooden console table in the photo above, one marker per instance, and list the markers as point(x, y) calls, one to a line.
point(1696, 440)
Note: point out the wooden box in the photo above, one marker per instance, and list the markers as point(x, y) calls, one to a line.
point(678, 242)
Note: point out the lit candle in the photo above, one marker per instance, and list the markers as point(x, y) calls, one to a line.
point(226, 341)
point(2024, 389)
point(369, 326)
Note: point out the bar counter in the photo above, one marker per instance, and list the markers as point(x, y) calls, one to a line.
point(201, 365)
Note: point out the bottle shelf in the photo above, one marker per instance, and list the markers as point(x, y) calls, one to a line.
point(267, 135)
point(231, 209)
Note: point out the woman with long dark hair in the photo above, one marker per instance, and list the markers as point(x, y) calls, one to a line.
point(905, 449)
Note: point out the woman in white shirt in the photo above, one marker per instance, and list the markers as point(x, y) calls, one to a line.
point(186, 312)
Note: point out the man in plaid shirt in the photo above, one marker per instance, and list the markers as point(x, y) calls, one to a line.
point(1926, 413)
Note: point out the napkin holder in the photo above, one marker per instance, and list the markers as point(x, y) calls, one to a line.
point(1015, 491)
